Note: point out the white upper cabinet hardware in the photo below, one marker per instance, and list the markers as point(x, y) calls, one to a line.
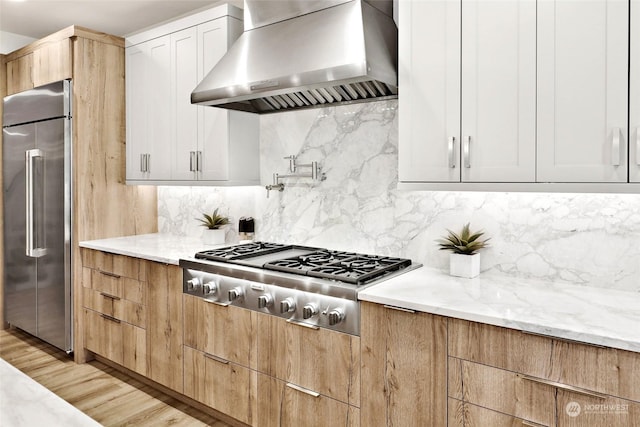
point(169, 140)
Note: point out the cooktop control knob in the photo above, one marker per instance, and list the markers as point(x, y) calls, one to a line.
point(309, 310)
point(265, 301)
point(287, 305)
point(235, 293)
point(335, 316)
point(210, 288)
point(193, 284)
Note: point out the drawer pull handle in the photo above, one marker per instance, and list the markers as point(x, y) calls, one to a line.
point(563, 386)
point(303, 390)
point(531, 424)
point(113, 297)
point(221, 304)
point(567, 340)
point(393, 307)
point(451, 149)
point(615, 147)
point(216, 358)
point(106, 273)
point(304, 325)
point(112, 319)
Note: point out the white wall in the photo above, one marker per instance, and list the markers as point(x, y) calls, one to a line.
point(10, 41)
point(587, 239)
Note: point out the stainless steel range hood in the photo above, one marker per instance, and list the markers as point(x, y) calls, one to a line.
point(306, 53)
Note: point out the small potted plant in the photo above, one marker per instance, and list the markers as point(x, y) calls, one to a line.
point(214, 235)
point(464, 261)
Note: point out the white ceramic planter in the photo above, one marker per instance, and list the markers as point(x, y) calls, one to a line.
point(467, 266)
point(213, 237)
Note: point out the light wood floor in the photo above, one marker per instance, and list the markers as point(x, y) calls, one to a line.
point(106, 395)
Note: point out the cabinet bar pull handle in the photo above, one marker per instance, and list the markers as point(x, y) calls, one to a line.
point(106, 273)
point(638, 146)
point(142, 158)
point(113, 297)
point(192, 156)
point(563, 386)
point(466, 147)
point(216, 358)
point(615, 147)
point(303, 390)
point(567, 340)
point(221, 304)
point(531, 424)
point(393, 307)
point(112, 319)
point(198, 161)
point(305, 325)
point(451, 150)
point(147, 165)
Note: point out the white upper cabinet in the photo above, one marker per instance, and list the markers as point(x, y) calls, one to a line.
point(582, 90)
point(467, 91)
point(634, 94)
point(201, 145)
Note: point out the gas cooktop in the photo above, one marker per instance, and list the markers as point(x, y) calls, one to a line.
point(347, 267)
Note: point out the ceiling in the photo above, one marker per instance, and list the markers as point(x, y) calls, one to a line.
point(38, 18)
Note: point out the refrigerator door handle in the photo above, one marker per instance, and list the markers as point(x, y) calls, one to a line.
point(31, 250)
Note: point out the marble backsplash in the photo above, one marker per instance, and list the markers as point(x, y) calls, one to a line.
point(586, 239)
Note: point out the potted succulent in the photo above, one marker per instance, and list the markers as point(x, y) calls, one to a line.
point(214, 234)
point(464, 261)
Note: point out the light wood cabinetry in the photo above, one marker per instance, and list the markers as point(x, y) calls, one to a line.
point(482, 53)
point(114, 308)
point(170, 140)
point(103, 205)
point(404, 367)
point(538, 379)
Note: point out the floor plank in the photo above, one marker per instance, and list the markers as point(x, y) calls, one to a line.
point(106, 395)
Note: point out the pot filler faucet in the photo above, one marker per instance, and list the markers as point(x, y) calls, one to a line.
point(315, 174)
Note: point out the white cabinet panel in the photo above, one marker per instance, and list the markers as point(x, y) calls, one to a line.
point(429, 91)
point(634, 94)
point(498, 91)
point(582, 90)
point(136, 112)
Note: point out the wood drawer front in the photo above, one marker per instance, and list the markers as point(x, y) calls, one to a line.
point(502, 391)
point(113, 305)
point(280, 405)
point(603, 370)
point(500, 347)
point(103, 336)
point(224, 386)
point(577, 410)
point(224, 331)
point(318, 359)
point(134, 352)
point(118, 265)
point(462, 414)
point(108, 283)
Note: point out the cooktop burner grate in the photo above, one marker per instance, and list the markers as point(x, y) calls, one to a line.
point(243, 251)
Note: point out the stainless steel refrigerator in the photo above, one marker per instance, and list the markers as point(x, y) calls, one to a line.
point(36, 130)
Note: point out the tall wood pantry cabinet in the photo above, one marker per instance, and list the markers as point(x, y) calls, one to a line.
point(518, 92)
point(169, 140)
point(103, 206)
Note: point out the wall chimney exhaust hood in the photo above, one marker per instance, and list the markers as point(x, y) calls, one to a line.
point(306, 53)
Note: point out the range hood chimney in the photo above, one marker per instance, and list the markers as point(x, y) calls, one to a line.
point(306, 53)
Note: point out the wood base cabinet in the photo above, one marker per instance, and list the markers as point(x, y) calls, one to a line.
point(404, 367)
point(220, 384)
point(282, 404)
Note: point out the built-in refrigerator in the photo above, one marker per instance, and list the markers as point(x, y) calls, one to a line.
point(36, 155)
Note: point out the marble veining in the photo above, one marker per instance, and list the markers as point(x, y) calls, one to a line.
point(582, 239)
point(587, 314)
point(25, 403)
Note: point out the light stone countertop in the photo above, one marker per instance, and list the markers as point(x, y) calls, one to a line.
point(25, 403)
point(582, 313)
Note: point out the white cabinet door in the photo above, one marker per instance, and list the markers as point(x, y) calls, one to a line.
point(149, 110)
point(213, 123)
point(429, 91)
point(498, 91)
point(634, 94)
point(184, 78)
point(582, 90)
